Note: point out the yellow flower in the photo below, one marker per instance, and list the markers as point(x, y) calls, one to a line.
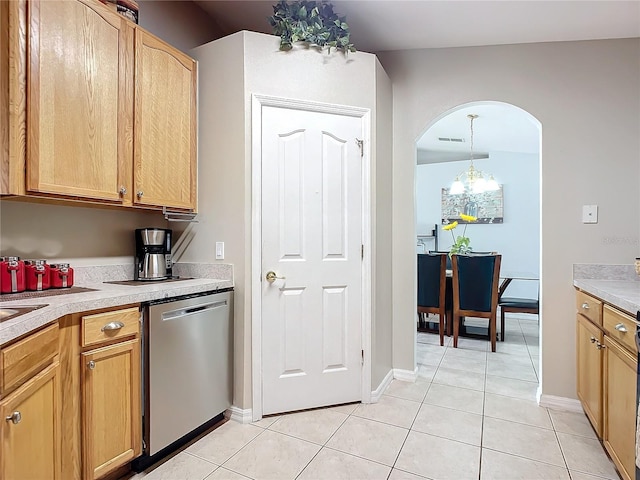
point(468, 218)
point(451, 226)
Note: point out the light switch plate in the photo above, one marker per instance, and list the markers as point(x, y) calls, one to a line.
point(589, 214)
point(219, 250)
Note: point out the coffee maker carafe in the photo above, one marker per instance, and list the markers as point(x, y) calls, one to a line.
point(153, 254)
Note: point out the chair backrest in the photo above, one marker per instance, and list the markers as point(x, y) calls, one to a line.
point(440, 252)
point(431, 279)
point(475, 282)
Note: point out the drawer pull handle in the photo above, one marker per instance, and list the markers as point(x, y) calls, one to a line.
point(593, 339)
point(621, 328)
point(112, 326)
point(585, 306)
point(15, 417)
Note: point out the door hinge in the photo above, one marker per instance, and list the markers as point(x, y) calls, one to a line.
point(360, 146)
point(361, 252)
point(362, 351)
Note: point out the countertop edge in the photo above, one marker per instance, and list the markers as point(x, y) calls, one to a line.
point(104, 296)
point(624, 295)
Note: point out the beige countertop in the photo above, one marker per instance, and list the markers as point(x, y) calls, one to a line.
point(624, 295)
point(105, 295)
point(617, 285)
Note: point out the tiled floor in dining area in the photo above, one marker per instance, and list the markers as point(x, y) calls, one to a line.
point(470, 415)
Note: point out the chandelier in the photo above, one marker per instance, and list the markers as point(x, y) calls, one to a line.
point(472, 181)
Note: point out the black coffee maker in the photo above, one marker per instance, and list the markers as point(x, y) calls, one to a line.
point(153, 254)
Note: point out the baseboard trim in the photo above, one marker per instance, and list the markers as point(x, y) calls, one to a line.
point(386, 381)
point(560, 403)
point(239, 415)
point(405, 375)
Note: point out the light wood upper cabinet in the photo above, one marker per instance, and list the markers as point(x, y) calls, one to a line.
point(165, 124)
point(589, 369)
point(79, 108)
point(31, 439)
point(13, 72)
point(111, 407)
point(93, 108)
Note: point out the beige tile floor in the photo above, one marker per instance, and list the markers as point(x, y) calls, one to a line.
point(470, 415)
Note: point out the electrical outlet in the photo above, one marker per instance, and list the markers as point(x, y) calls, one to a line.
point(219, 250)
point(589, 214)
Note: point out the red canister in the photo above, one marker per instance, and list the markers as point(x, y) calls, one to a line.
point(37, 274)
point(61, 275)
point(12, 275)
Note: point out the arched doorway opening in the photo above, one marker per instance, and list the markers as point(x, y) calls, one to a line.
point(506, 145)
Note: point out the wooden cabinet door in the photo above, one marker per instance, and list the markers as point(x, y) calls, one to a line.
point(165, 125)
point(620, 376)
point(589, 367)
point(31, 441)
point(111, 418)
point(80, 104)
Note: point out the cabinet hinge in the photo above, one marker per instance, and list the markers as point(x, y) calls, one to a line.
point(360, 146)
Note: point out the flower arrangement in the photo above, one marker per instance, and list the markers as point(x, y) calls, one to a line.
point(462, 243)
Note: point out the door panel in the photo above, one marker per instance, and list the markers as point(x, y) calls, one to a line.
point(311, 236)
point(165, 119)
point(78, 60)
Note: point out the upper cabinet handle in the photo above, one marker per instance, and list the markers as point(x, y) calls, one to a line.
point(112, 326)
point(140, 193)
point(122, 191)
point(621, 328)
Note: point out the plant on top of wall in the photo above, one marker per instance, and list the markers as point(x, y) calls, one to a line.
point(311, 22)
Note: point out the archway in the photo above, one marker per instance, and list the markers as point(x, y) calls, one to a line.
point(507, 143)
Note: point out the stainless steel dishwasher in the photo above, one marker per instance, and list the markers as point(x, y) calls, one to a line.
point(187, 370)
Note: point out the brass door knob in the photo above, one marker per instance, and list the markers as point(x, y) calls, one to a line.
point(272, 277)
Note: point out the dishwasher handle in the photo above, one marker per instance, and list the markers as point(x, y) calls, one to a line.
point(183, 312)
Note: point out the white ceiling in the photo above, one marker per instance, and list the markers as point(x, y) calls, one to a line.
point(379, 25)
point(382, 25)
point(499, 127)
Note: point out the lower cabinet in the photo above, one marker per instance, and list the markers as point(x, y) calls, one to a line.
point(110, 407)
point(101, 392)
point(607, 362)
point(589, 368)
point(31, 428)
point(620, 407)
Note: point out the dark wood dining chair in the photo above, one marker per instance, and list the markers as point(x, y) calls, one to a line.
point(516, 305)
point(432, 270)
point(441, 252)
point(475, 291)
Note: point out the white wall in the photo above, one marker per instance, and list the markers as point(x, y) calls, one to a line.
point(586, 95)
point(231, 69)
point(182, 24)
point(517, 239)
point(381, 328)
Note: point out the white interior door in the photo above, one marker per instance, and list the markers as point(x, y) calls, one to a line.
point(311, 238)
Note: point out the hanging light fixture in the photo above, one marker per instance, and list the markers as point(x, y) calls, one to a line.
point(474, 181)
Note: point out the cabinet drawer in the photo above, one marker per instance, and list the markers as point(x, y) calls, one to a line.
point(103, 327)
point(589, 307)
point(25, 358)
point(620, 326)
